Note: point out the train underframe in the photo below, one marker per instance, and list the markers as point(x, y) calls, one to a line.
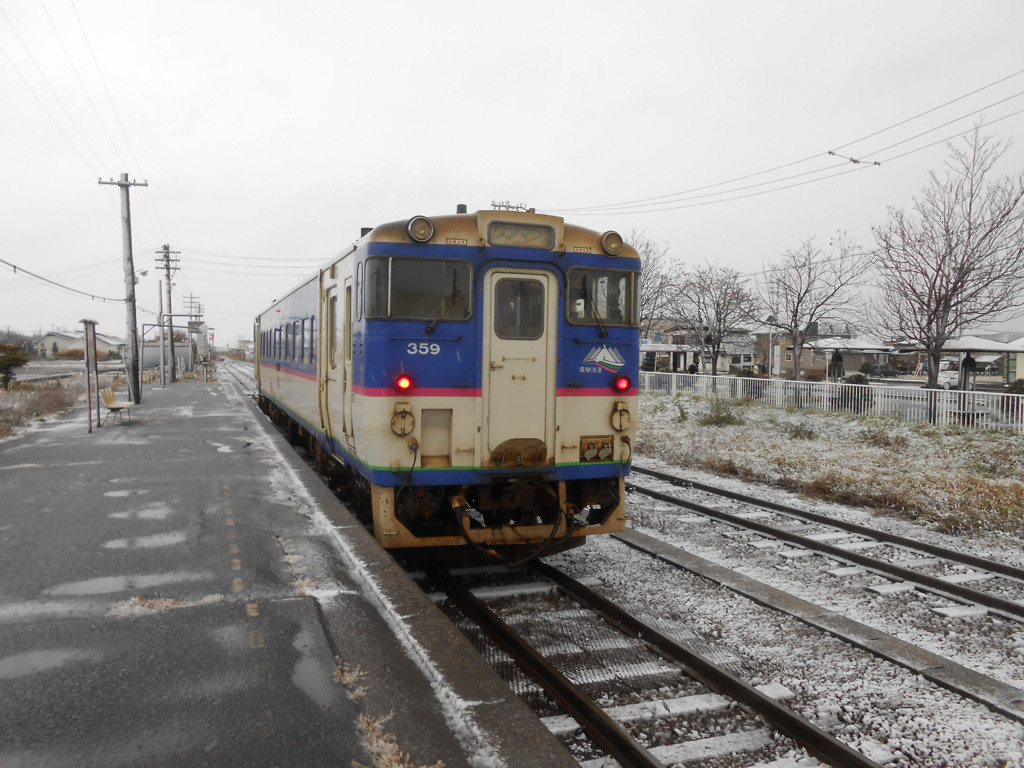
point(512, 519)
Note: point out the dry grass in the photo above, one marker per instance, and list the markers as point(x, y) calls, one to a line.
point(957, 480)
point(381, 745)
point(28, 401)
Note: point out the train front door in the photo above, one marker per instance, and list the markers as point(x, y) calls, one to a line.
point(520, 322)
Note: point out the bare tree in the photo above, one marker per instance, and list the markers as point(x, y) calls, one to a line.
point(957, 258)
point(713, 300)
point(658, 280)
point(807, 287)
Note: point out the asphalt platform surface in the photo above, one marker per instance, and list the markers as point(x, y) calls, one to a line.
point(182, 590)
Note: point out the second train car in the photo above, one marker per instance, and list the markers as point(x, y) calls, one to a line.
point(475, 374)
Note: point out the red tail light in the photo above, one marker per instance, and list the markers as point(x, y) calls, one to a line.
point(622, 384)
point(403, 383)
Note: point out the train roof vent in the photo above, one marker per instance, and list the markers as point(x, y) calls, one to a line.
point(461, 208)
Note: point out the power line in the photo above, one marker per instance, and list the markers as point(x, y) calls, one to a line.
point(53, 92)
point(81, 83)
point(249, 259)
point(669, 201)
point(61, 286)
point(49, 114)
point(933, 109)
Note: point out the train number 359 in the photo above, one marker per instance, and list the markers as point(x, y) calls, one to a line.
point(423, 348)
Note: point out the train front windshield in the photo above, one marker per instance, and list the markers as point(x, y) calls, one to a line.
point(418, 289)
point(602, 296)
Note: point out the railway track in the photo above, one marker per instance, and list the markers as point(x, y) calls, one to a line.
point(240, 373)
point(636, 692)
point(959, 577)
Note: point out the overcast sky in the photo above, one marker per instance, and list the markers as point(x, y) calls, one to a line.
point(269, 133)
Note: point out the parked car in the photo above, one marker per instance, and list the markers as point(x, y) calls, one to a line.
point(886, 369)
point(951, 380)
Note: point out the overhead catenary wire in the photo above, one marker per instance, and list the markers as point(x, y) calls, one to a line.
point(684, 199)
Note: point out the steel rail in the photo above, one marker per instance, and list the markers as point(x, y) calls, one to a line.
point(607, 733)
point(818, 742)
point(890, 538)
point(937, 586)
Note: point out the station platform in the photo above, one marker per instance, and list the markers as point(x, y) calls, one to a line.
point(182, 590)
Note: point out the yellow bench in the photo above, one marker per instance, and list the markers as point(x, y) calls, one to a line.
point(114, 406)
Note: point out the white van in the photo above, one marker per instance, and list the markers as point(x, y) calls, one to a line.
point(950, 379)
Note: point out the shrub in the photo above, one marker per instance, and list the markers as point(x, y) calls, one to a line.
point(814, 375)
point(721, 413)
point(800, 430)
point(854, 398)
point(681, 408)
point(879, 437)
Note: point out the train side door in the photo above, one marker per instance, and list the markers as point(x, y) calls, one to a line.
point(520, 322)
point(331, 390)
point(347, 395)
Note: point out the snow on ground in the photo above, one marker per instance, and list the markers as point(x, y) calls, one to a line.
point(954, 479)
point(899, 719)
point(949, 487)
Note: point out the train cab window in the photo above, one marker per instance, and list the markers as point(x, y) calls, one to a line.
point(602, 297)
point(519, 308)
point(417, 289)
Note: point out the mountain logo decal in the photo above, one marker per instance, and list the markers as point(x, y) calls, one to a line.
point(605, 358)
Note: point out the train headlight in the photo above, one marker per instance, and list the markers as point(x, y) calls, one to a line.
point(403, 382)
point(420, 229)
point(622, 384)
point(611, 243)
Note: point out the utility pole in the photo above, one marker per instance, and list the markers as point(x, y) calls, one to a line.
point(131, 322)
point(166, 261)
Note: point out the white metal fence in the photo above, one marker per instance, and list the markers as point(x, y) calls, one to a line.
point(982, 410)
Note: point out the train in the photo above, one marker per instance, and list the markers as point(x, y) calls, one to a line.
point(471, 376)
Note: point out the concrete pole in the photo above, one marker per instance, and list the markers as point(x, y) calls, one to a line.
point(160, 316)
point(131, 321)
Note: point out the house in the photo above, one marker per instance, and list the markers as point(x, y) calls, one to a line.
point(106, 346)
point(818, 353)
point(736, 354)
point(49, 345)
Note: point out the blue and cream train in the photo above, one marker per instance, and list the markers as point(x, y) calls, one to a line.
point(475, 374)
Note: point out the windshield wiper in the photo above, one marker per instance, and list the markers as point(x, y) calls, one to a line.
point(446, 305)
point(587, 300)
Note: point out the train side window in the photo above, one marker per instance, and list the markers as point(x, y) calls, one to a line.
point(377, 287)
point(359, 291)
point(332, 331)
point(303, 354)
point(608, 296)
point(519, 308)
point(312, 339)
